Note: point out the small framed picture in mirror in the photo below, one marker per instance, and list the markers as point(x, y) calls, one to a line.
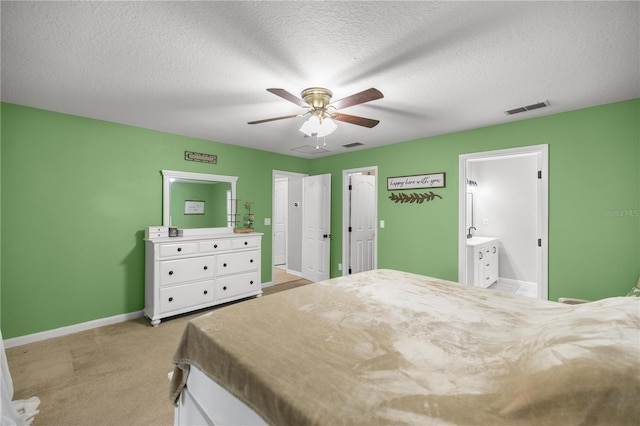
point(193, 207)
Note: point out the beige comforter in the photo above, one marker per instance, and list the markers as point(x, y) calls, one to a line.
point(387, 347)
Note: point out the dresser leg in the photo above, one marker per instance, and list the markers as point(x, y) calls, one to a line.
point(155, 322)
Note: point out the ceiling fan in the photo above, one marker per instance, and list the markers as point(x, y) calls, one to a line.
point(316, 100)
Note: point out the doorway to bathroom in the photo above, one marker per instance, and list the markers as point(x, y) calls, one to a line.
point(504, 199)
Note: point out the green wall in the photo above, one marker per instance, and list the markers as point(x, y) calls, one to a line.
point(594, 198)
point(76, 198)
point(77, 194)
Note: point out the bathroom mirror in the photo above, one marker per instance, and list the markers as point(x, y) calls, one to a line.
point(198, 201)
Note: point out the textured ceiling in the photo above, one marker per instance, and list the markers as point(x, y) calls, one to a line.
point(201, 68)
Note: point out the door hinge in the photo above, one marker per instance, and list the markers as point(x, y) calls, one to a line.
point(350, 229)
point(349, 271)
point(350, 187)
point(539, 174)
point(539, 242)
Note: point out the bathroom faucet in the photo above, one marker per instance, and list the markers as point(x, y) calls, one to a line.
point(469, 231)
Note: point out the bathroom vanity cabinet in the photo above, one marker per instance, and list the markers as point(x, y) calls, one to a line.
point(482, 271)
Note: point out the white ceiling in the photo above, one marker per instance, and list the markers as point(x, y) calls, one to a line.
point(201, 68)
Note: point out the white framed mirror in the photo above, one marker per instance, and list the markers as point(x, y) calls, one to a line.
point(198, 202)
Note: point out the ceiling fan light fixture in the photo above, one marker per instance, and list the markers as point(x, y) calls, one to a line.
point(314, 127)
point(316, 102)
point(327, 127)
point(311, 126)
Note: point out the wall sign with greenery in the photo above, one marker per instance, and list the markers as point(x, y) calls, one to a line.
point(413, 198)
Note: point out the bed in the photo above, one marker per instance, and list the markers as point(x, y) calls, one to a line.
point(387, 348)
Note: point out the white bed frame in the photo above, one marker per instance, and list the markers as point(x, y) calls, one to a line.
point(219, 408)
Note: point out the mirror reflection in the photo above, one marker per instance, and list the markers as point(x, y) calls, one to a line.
point(198, 200)
point(197, 204)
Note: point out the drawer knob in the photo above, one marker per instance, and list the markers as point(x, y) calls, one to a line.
point(215, 246)
point(224, 265)
point(251, 282)
point(224, 288)
point(250, 260)
point(205, 292)
point(246, 243)
point(171, 299)
point(179, 249)
point(206, 267)
point(170, 272)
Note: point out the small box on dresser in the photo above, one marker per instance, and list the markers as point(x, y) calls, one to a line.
point(156, 232)
point(184, 274)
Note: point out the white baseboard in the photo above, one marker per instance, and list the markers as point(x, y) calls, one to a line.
point(296, 273)
point(518, 282)
point(63, 331)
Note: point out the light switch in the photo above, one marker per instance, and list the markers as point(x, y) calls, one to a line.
point(267, 221)
point(382, 224)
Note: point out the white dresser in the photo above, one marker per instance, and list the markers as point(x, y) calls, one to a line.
point(183, 274)
point(483, 270)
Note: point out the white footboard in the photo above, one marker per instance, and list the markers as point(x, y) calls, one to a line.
point(204, 402)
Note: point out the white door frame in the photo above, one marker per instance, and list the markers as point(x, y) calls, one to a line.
point(542, 151)
point(345, 216)
point(275, 173)
point(280, 182)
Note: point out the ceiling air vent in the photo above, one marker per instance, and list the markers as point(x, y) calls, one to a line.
point(527, 108)
point(352, 145)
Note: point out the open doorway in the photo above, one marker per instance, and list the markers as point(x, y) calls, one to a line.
point(286, 227)
point(301, 226)
point(359, 218)
point(503, 217)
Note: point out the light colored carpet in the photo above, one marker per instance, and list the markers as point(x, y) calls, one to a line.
point(280, 276)
point(113, 375)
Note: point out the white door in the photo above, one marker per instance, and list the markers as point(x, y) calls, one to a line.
point(280, 222)
point(316, 227)
point(362, 223)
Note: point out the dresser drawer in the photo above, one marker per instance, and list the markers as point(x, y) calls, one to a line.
point(178, 249)
point(249, 242)
point(236, 285)
point(183, 270)
point(182, 273)
point(233, 263)
point(212, 246)
point(184, 296)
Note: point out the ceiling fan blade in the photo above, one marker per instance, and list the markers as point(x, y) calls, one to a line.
point(288, 96)
point(359, 98)
point(353, 119)
point(272, 119)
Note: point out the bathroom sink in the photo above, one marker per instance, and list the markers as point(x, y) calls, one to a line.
point(474, 241)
